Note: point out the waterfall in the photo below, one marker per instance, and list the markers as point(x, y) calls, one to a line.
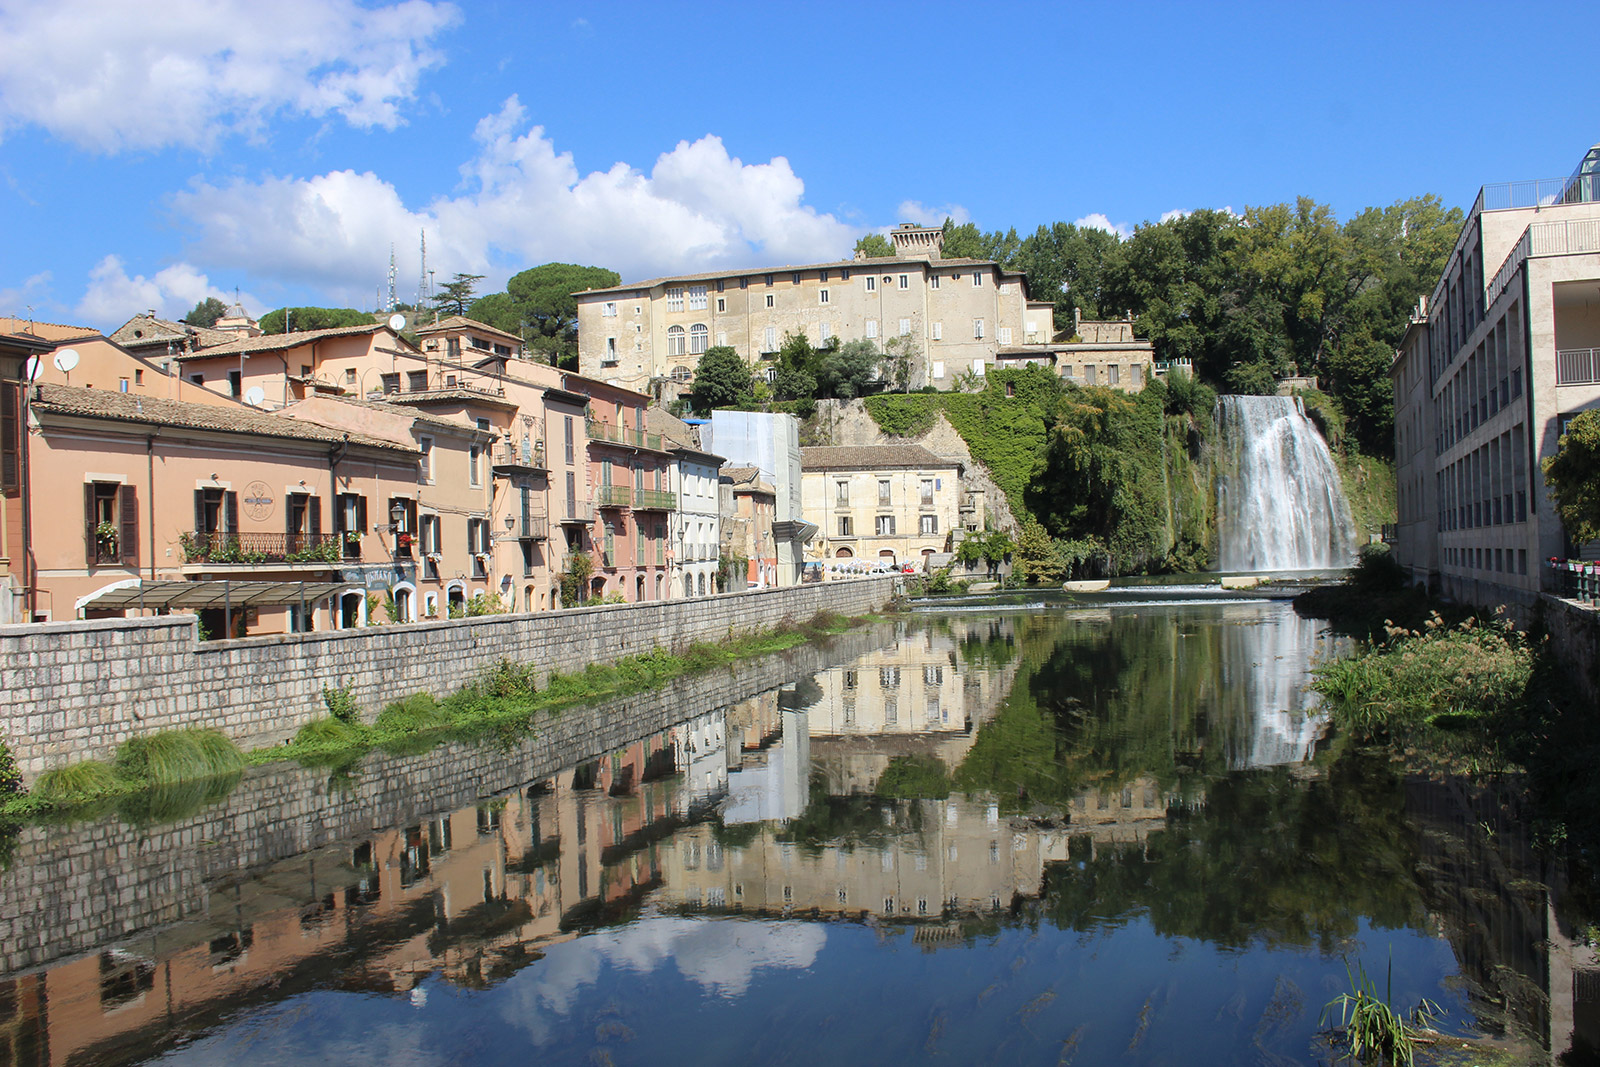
point(1280, 504)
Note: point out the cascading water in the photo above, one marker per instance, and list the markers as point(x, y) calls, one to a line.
point(1280, 503)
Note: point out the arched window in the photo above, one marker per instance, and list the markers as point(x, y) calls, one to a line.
point(681, 374)
point(843, 553)
point(702, 583)
point(698, 337)
point(675, 341)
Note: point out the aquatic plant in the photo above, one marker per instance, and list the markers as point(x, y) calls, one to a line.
point(10, 776)
point(75, 783)
point(178, 756)
point(1372, 1030)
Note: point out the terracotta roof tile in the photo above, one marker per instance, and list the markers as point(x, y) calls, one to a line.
point(870, 458)
point(143, 330)
point(49, 331)
point(277, 342)
point(865, 266)
point(461, 322)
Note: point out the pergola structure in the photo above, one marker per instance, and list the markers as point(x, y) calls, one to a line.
point(165, 596)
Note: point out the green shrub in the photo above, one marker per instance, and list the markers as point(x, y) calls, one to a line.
point(10, 776)
point(76, 782)
point(178, 756)
point(327, 731)
point(413, 714)
point(508, 681)
point(341, 705)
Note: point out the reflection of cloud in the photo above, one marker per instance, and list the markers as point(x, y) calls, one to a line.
point(297, 1033)
point(721, 955)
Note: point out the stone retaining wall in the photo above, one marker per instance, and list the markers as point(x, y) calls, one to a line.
point(69, 889)
point(77, 690)
point(1575, 639)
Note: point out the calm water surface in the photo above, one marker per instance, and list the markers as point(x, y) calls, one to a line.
point(1017, 834)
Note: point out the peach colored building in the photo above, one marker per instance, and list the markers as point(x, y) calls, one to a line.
point(15, 351)
point(749, 508)
point(100, 362)
point(142, 487)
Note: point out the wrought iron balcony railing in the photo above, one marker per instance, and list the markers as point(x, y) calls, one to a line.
point(654, 499)
point(257, 548)
point(615, 496)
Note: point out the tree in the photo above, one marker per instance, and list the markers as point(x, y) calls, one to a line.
point(900, 362)
point(875, 245)
point(848, 370)
point(1573, 475)
point(721, 380)
point(497, 310)
point(206, 312)
point(797, 365)
point(313, 318)
point(545, 310)
point(457, 294)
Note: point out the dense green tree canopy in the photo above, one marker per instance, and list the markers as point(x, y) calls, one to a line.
point(313, 318)
point(722, 379)
point(1573, 475)
point(206, 312)
point(875, 244)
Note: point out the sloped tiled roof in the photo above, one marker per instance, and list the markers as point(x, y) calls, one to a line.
point(155, 411)
point(278, 342)
point(143, 330)
point(461, 322)
point(48, 331)
point(870, 458)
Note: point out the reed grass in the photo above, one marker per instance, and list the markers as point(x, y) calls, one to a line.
point(75, 783)
point(178, 756)
point(1370, 1028)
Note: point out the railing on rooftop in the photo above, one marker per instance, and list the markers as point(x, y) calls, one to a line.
point(1562, 237)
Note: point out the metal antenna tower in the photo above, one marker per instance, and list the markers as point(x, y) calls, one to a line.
point(391, 278)
point(422, 281)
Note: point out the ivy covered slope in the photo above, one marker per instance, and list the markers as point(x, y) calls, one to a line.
point(1104, 482)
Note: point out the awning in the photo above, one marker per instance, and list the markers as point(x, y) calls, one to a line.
point(138, 593)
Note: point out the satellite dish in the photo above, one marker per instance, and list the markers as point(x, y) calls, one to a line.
point(65, 360)
point(35, 366)
point(254, 396)
point(397, 323)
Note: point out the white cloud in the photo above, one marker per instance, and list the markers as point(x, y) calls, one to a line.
point(34, 291)
point(108, 75)
point(932, 214)
point(113, 297)
point(1098, 221)
point(1175, 213)
point(523, 203)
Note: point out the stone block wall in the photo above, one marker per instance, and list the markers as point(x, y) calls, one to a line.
point(76, 690)
point(1575, 638)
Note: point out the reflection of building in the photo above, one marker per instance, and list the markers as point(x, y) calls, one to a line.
point(772, 780)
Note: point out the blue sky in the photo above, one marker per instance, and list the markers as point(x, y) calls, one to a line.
point(152, 155)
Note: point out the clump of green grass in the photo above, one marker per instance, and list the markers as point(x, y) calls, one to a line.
point(1372, 1030)
point(178, 756)
point(417, 713)
point(326, 732)
point(341, 705)
point(76, 783)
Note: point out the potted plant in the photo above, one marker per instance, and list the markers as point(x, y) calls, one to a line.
point(105, 533)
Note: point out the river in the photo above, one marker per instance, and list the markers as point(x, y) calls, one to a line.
point(1009, 830)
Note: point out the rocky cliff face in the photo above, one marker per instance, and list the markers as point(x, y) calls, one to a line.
point(846, 422)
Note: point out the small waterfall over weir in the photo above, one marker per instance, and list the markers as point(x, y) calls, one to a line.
point(1280, 504)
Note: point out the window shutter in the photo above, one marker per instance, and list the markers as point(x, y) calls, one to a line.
point(338, 513)
point(128, 498)
point(361, 514)
point(288, 518)
point(199, 512)
point(90, 539)
point(314, 513)
point(9, 444)
point(230, 501)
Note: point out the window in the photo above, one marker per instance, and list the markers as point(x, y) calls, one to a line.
point(1113, 374)
point(842, 493)
point(927, 492)
point(609, 309)
point(770, 299)
point(938, 368)
point(977, 278)
point(795, 278)
point(772, 374)
point(610, 358)
point(697, 298)
point(744, 283)
point(719, 285)
point(929, 524)
point(235, 384)
point(349, 376)
point(417, 381)
point(674, 299)
point(1005, 335)
point(428, 534)
point(872, 283)
point(427, 460)
point(905, 281)
point(824, 277)
point(122, 385)
point(888, 677)
point(933, 282)
point(938, 331)
point(872, 328)
point(10, 428)
point(722, 304)
point(675, 338)
point(568, 439)
point(1088, 374)
point(883, 492)
point(391, 383)
point(698, 338)
point(905, 327)
point(844, 274)
point(138, 377)
point(822, 296)
point(978, 367)
point(681, 374)
point(977, 329)
point(771, 339)
point(112, 524)
point(474, 475)
point(846, 526)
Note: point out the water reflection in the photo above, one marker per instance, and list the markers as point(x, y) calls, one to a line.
point(1114, 826)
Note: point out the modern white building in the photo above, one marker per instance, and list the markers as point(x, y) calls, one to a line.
point(1499, 357)
point(770, 442)
point(696, 522)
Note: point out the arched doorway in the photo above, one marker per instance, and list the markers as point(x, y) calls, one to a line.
point(455, 600)
point(403, 609)
point(352, 610)
point(843, 553)
point(638, 589)
point(597, 588)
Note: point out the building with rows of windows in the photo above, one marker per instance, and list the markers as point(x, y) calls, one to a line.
point(1497, 359)
point(881, 503)
point(955, 315)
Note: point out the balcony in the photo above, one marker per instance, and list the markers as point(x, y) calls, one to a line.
point(104, 547)
point(527, 457)
point(654, 500)
point(1578, 366)
point(580, 513)
point(259, 548)
point(534, 528)
point(596, 430)
point(615, 496)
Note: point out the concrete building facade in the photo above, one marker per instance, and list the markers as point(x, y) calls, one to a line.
point(889, 503)
point(1502, 354)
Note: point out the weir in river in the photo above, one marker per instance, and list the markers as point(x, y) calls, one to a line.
point(1280, 502)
